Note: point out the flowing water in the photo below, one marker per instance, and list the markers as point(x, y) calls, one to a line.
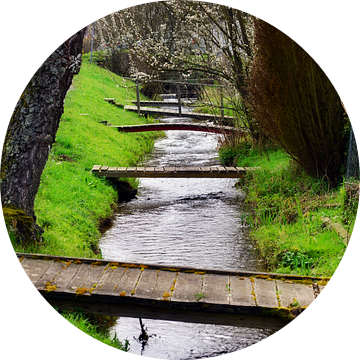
point(183, 222)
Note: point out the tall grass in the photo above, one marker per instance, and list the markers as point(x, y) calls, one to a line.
point(83, 323)
point(285, 210)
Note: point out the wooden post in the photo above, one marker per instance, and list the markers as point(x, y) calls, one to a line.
point(222, 106)
point(179, 97)
point(137, 97)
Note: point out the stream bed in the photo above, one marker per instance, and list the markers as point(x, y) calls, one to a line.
point(183, 222)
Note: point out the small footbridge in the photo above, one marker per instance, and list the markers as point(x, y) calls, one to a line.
point(172, 172)
point(239, 298)
point(210, 128)
point(176, 113)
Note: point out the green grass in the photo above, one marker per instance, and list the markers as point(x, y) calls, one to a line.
point(71, 202)
point(285, 211)
point(83, 323)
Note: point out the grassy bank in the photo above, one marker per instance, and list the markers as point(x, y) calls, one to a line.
point(72, 204)
point(286, 211)
point(96, 329)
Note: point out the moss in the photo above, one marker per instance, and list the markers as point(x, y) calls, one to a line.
point(22, 226)
point(280, 312)
point(13, 215)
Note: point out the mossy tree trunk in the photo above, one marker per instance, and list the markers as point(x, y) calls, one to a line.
point(31, 133)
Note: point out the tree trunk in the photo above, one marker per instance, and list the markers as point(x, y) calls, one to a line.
point(30, 135)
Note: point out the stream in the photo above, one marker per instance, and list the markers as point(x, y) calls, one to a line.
point(183, 222)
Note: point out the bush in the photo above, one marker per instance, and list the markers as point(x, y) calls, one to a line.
point(296, 105)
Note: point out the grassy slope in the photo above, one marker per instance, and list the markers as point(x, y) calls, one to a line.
point(71, 201)
point(287, 226)
point(92, 328)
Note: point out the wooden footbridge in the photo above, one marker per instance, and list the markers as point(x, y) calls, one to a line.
point(176, 113)
point(172, 172)
point(210, 128)
point(155, 111)
point(241, 298)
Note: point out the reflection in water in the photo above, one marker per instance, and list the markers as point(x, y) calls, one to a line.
point(183, 222)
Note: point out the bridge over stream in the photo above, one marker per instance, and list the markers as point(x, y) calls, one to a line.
point(238, 298)
point(168, 112)
point(210, 128)
point(172, 171)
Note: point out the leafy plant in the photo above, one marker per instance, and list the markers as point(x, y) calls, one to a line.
point(296, 259)
point(200, 295)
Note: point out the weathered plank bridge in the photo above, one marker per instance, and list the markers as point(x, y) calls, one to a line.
point(210, 128)
point(240, 298)
point(147, 110)
point(172, 172)
point(176, 113)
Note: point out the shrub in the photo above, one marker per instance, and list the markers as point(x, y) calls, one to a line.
point(296, 105)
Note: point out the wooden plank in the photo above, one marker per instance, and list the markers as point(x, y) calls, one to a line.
point(35, 269)
point(110, 280)
point(304, 294)
point(89, 282)
point(240, 169)
point(140, 169)
point(131, 169)
point(112, 169)
point(231, 169)
point(265, 293)
point(290, 293)
point(165, 281)
point(121, 169)
point(216, 288)
point(128, 282)
point(149, 169)
point(205, 169)
point(63, 279)
point(104, 168)
point(190, 169)
point(169, 168)
point(286, 293)
point(96, 168)
point(81, 274)
point(50, 275)
point(147, 284)
point(187, 285)
point(221, 169)
point(159, 169)
point(241, 288)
